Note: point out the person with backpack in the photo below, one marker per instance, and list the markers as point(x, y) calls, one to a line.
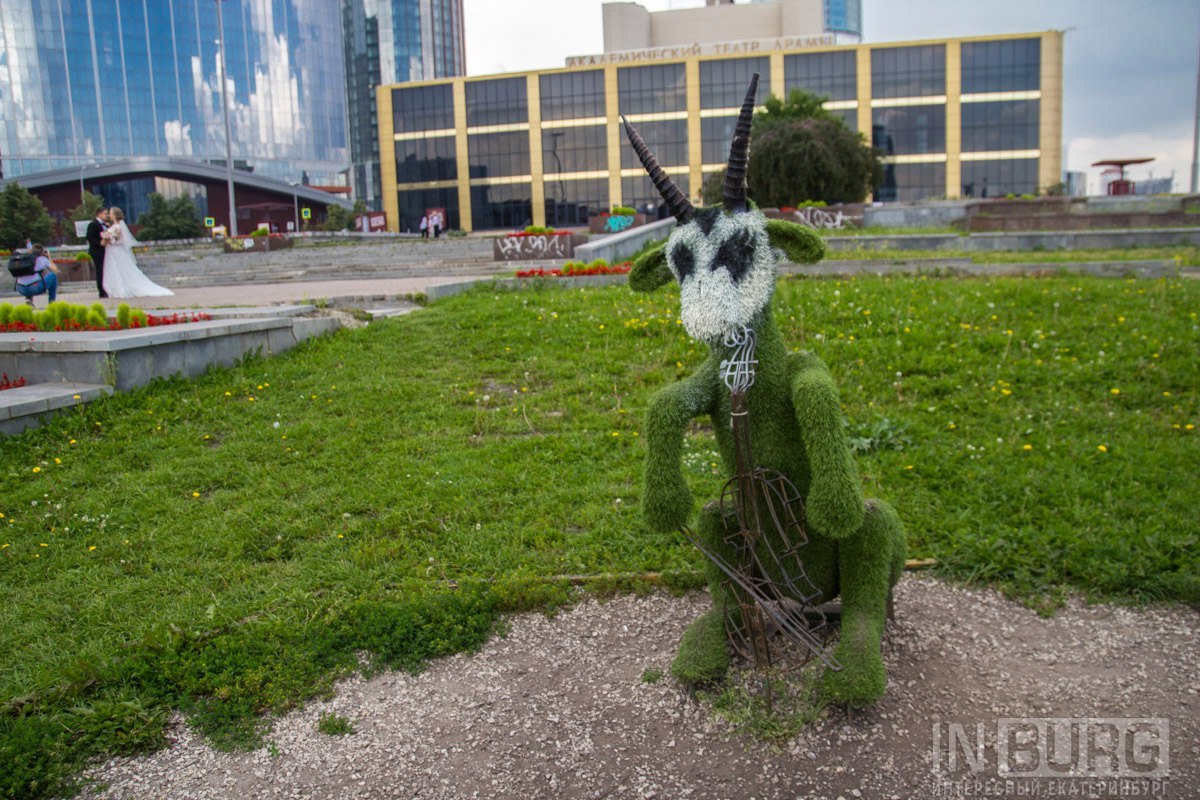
point(42, 280)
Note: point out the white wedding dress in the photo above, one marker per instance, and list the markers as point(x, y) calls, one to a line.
point(122, 278)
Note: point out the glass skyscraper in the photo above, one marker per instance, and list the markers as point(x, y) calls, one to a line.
point(86, 81)
point(392, 41)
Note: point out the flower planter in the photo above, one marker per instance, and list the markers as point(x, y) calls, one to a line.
point(615, 223)
point(260, 244)
point(536, 246)
point(76, 271)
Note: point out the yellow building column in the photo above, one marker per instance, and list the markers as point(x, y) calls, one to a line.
point(533, 91)
point(778, 78)
point(387, 157)
point(862, 65)
point(695, 149)
point(1050, 141)
point(616, 136)
point(953, 119)
point(462, 155)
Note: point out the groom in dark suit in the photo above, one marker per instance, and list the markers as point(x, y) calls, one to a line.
point(95, 229)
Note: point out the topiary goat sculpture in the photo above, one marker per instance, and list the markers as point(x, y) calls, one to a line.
point(724, 258)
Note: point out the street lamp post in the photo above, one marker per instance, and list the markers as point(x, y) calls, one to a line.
point(295, 208)
point(233, 229)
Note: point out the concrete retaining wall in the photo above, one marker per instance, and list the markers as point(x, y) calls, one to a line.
point(1030, 240)
point(619, 246)
point(132, 358)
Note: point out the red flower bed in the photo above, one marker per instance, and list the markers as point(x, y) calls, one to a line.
point(5, 383)
point(570, 272)
point(152, 321)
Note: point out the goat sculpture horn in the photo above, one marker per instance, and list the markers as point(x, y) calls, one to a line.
point(679, 206)
point(734, 193)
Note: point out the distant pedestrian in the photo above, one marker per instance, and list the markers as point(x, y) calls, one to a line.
point(44, 279)
point(424, 226)
point(436, 221)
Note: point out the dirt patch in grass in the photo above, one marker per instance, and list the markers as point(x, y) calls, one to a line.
point(561, 708)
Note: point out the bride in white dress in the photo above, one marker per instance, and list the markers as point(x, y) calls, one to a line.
point(122, 278)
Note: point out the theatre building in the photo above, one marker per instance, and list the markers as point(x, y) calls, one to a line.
point(961, 117)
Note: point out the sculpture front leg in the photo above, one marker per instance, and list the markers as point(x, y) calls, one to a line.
point(666, 499)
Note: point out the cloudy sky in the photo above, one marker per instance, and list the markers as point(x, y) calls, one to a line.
point(1129, 65)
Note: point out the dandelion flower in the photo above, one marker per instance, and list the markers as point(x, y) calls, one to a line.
point(37, 469)
point(90, 549)
point(1102, 448)
point(58, 461)
point(1027, 447)
point(1114, 390)
point(71, 442)
point(195, 494)
point(1189, 427)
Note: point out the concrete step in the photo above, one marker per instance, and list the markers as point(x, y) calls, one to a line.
point(30, 406)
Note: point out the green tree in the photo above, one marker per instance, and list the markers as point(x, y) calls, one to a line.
point(338, 219)
point(85, 211)
point(23, 218)
point(802, 152)
point(170, 219)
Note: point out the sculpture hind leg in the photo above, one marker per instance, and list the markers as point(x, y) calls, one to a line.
point(869, 564)
point(703, 655)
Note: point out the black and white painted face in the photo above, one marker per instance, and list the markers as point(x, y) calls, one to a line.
point(726, 271)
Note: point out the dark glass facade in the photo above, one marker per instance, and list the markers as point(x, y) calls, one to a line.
point(572, 95)
point(423, 108)
point(85, 81)
point(582, 148)
point(573, 202)
point(640, 193)
point(833, 75)
point(667, 138)
point(414, 203)
point(509, 206)
point(918, 71)
point(651, 90)
point(843, 16)
point(909, 130)
point(723, 83)
point(1003, 125)
point(1010, 65)
point(392, 41)
point(498, 102)
point(422, 160)
point(499, 155)
point(1000, 178)
point(912, 182)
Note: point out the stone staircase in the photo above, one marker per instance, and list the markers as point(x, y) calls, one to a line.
point(207, 265)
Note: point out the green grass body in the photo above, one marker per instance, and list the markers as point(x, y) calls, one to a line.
point(403, 482)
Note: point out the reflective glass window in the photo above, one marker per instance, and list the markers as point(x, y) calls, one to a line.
point(415, 203)
point(572, 95)
point(716, 135)
point(573, 202)
point(1010, 65)
point(494, 155)
point(639, 193)
point(1000, 178)
point(912, 182)
point(1008, 125)
point(423, 108)
point(833, 75)
point(574, 149)
point(509, 206)
point(497, 102)
point(917, 71)
point(723, 82)
point(431, 159)
point(653, 89)
point(667, 139)
point(909, 129)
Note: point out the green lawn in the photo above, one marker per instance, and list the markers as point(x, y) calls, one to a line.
point(227, 545)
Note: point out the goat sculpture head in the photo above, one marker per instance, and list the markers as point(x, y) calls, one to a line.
point(724, 256)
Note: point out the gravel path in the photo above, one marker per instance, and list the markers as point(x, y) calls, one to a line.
point(557, 709)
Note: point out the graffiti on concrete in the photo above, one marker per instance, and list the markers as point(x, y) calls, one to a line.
point(815, 217)
point(517, 248)
point(617, 223)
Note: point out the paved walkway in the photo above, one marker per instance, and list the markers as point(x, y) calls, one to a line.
point(357, 292)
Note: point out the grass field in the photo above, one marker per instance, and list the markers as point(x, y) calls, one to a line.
point(228, 545)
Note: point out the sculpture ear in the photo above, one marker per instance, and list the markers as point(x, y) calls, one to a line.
point(650, 270)
point(798, 243)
